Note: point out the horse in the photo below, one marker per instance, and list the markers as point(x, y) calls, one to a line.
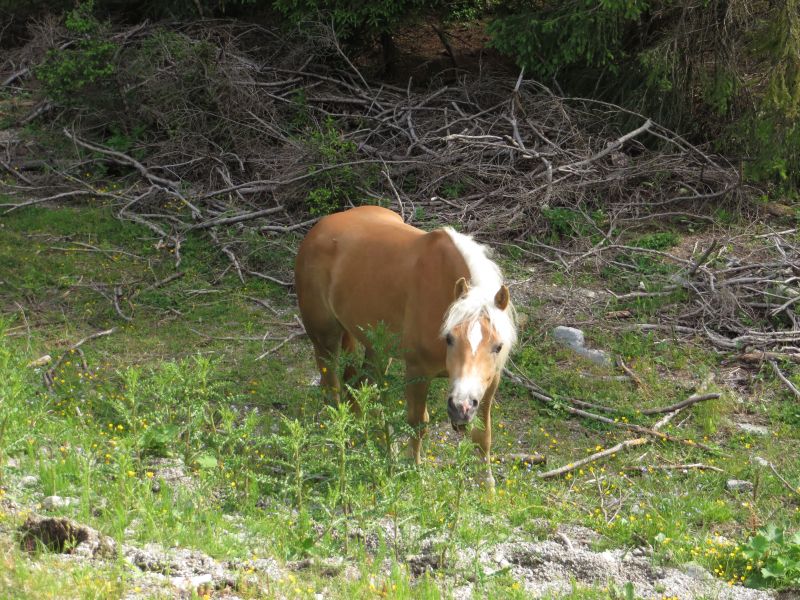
point(438, 292)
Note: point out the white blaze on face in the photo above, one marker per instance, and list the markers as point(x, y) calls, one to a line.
point(475, 335)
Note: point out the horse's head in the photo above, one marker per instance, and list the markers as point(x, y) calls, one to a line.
point(479, 331)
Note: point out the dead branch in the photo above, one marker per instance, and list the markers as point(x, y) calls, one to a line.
point(792, 388)
point(236, 219)
point(270, 278)
point(534, 390)
point(49, 375)
point(263, 303)
point(765, 463)
point(60, 196)
point(15, 173)
point(593, 457)
point(610, 147)
point(684, 467)
point(160, 283)
point(683, 404)
point(285, 341)
point(629, 372)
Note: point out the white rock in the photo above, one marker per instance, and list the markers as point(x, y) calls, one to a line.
point(29, 481)
point(696, 571)
point(190, 584)
point(738, 485)
point(40, 362)
point(570, 336)
point(56, 502)
point(575, 339)
point(754, 429)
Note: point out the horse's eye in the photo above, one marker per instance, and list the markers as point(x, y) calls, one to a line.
point(449, 339)
point(497, 348)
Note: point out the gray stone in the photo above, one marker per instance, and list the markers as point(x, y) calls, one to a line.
point(575, 340)
point(548, 569)
point(186, 567)
point(171, 472)
point(190, 583)
point(57, 502)
point(738, 485)
point(29, 481)
point(753, 429)
point(569, 336)
point(696, 571)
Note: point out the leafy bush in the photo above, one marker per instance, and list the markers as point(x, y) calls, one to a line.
point(15, 383)
point(334, 188)
point(552, 36)
point(565, 223)
point(67, 74)
point(351, 20)
point(657, 241)
point(776, 557)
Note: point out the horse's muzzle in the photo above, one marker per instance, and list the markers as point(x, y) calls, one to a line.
point(461, 413)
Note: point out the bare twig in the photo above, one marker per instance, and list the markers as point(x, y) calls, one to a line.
point(683, 404)
point(49, 375)
point(593, 457)
point(285, 341)
point(792, 388)
point(683, 467)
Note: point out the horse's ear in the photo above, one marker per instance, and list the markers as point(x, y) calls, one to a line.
point(461, 288)
point(501, 298)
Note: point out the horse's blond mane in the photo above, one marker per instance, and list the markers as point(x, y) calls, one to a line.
point(485, 280)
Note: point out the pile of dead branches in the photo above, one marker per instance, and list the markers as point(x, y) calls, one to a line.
point(234, 119)
point(740, 292)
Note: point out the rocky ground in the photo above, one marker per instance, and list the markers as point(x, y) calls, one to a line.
point(544, 566)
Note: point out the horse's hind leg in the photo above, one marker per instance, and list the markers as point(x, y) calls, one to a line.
point(350, 371)
point(327, 343)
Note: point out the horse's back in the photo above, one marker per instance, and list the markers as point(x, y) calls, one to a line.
point(365, 266)
point(341, 237)
point(350, 267)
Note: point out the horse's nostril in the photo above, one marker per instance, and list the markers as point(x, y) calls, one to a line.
point(474, 403)
point(450, 402)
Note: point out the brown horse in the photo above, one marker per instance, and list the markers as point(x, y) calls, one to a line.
point(438, 292)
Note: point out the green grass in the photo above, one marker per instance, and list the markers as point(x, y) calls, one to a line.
point(268, 459)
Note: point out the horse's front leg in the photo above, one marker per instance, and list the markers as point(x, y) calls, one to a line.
point(482, 436)
point(417, 409)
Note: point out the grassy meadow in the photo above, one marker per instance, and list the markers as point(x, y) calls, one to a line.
point(268, 471)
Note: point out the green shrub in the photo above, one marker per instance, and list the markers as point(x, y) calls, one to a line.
point(15, 385)
point(776, 558)
point(551, 36)
point(351, 20)
point(661, 240)
point(334, 187)
point(565, 223)
point(70, 73)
